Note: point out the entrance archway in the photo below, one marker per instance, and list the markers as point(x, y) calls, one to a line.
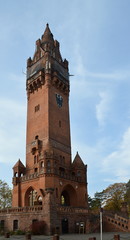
point(64, 225)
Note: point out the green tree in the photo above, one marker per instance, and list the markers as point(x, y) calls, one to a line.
point(96, 202)
point(5, 195)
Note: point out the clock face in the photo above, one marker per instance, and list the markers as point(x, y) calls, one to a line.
point(59, 100)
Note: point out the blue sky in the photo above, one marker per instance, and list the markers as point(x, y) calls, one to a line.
point(94, 36)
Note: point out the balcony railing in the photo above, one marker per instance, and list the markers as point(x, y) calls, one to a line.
point(21, 209)
point(69, 209)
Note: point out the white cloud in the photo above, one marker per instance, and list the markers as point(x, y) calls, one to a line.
point(102, 108)
point(118, 162)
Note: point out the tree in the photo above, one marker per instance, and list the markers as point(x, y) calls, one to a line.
point(5, 195)
point(127, 195)
point(110, 198)
point(95, 203)
point(113, 196)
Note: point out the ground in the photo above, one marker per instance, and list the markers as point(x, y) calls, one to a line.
point(106, 236)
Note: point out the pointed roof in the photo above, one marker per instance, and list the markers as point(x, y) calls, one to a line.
point(78, 161)
point(47, 36)
point(19, 164)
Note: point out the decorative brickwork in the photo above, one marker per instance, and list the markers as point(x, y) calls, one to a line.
point(51, 187)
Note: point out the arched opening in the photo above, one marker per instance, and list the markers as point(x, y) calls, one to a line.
point(30, 197)
point(15, 174)
point(48, 166)
point(68, 196)
point(73, 175)
point(21, 174)
point(42, 164)
point(39, 200)
point(65, 199)
point(61, 171)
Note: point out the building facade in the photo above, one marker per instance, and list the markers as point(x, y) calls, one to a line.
point(50, 187)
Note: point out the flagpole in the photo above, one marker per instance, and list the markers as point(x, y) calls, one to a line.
point(101, 211)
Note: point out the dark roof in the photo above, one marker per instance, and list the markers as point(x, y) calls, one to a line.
point(78, 161)
point(19, 164)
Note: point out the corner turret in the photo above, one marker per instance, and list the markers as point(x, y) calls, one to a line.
point(19, 169)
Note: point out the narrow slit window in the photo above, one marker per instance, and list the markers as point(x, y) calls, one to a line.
point(59, 123)
point(37, 108)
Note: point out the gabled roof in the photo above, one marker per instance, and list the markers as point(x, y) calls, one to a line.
point(19, 164)
point(78, 161)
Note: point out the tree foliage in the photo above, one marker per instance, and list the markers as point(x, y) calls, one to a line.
point(114, 196)
point(5, 195)
point(96, 202)
point(127, 195)
point(110, 198)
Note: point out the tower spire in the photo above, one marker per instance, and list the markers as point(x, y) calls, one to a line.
point(47, 36)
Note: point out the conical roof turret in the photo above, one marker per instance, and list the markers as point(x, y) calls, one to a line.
point(47, 36)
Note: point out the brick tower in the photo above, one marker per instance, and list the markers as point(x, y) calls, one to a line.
point(50, 179)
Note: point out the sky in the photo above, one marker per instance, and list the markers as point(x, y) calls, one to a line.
point(94, 37)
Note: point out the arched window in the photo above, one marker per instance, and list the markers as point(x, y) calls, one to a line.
point(15, 174)
point(73, 175)
point(79, 174)
point(42, 164)
point(61, 171)
point(48, 166)
point(56, 192)
point(35, 159)
point(32, 197)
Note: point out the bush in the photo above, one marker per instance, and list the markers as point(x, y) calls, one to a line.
point(19, 232)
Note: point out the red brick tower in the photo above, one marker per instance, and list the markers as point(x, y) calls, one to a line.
point(50, 178)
